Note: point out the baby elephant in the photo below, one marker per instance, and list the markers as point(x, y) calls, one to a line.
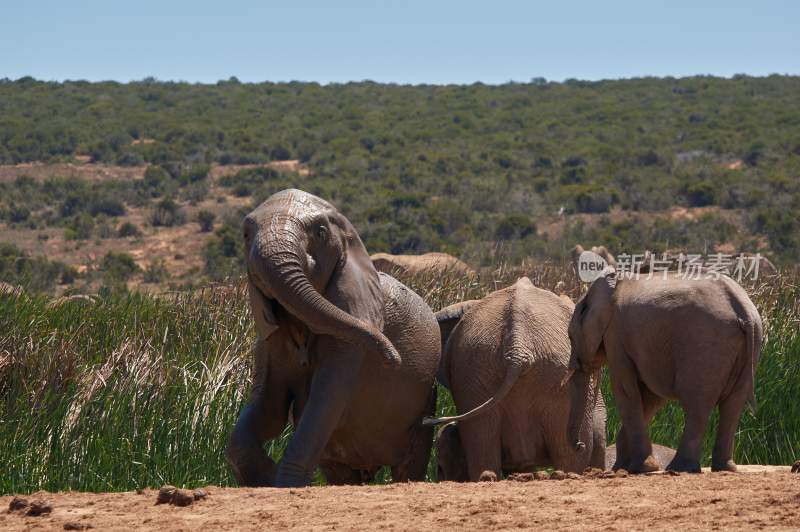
point(694, 340)
point(504, 361)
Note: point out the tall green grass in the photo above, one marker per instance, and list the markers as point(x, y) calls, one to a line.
point(132, 391)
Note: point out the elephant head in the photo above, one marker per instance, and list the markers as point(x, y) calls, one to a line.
point(587, 327)
point(305, 260)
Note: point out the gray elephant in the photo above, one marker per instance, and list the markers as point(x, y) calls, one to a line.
point(696, 341)
point(505, 359)
point(431, 264)
point(349, 354)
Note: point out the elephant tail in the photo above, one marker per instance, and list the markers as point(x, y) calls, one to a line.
point(753, 333)
point(513, 373)
point(746, 374)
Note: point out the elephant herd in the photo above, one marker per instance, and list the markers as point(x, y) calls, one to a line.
point(349, 356)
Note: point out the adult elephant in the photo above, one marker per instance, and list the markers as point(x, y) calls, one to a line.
point(505, 359)
point(432, 264)
point(349, 352)
point(697, 341)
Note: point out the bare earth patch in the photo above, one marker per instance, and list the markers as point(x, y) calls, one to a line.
point(720, 501)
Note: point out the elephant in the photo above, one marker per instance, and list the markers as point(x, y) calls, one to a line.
point(432, 264)
point(662, 454)
point(696, 341)
point(504, 361)
point(347, 353)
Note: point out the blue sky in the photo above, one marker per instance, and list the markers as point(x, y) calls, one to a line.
point(433, 41)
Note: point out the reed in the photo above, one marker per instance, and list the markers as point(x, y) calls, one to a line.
point(130, 391)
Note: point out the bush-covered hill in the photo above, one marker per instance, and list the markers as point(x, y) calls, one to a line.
point(480, 171)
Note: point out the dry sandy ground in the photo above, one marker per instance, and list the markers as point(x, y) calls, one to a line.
point(720, 501)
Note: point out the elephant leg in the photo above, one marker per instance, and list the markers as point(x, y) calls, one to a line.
point(257, 423)
point(730, 409)
point(651, 404)
point(480, 439)
point(598, 459)
point(569, 460)
point(636, 449)
point(331, 389)
point(415, 467)
point(337, 474)
point(687, 459)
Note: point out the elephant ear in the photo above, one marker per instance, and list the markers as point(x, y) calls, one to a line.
point(266, 323)
point(355, 286)
point(594, 314)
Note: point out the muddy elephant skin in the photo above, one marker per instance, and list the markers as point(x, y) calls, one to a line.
point(696, 341)
point(429, 264)
point(350, 353)
point(504, 361)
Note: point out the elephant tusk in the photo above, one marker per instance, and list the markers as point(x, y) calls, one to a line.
point(568, 376)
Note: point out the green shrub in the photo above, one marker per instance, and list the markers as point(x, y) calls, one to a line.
point(81, 226)
point(107, 206)
point(37, 274)
point(156, 272)
point(701, 194)
point(127, 229)
point(206, 220)
point(167, 213)
point(222, 256)
point(194, 174)
point(119, 266)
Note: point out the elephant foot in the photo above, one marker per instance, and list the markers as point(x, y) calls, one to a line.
point(251, 467)
point(728, 465)
point(648, 465)
point(292, 477)
point(682, 465)
point(620, 465)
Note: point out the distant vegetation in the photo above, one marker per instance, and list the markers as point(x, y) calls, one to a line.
point(479, 171)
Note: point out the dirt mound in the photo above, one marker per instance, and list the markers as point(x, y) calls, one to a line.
point(724, 501)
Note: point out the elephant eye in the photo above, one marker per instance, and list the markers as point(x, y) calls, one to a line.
point(322, 232)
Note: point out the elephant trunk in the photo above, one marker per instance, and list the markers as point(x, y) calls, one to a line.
point(579, 392)
point(288, 283)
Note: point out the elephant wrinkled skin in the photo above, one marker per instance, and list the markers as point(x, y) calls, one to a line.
point(505, 359)
point(432, 264)
point(350, 353)
point(696, 341)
